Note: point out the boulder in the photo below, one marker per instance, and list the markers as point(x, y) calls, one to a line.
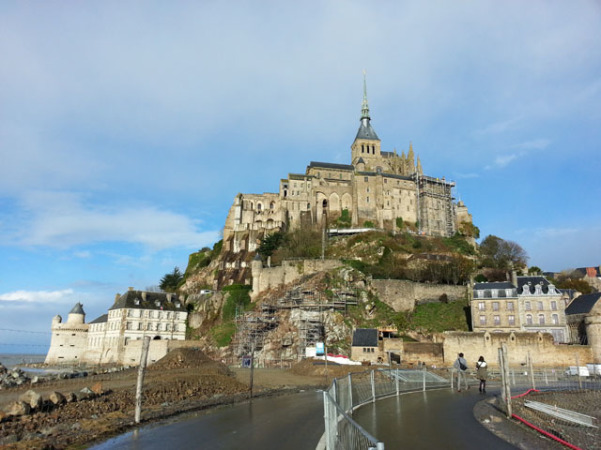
point(17, 409)
point(97, 388)
point(32, 398)
point(85, 393)
point(57, 398)
point(70, 397)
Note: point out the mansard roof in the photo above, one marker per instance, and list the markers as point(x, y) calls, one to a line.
point(324, 165)
point(101, 319)
point(365, 337)
point(148, 300)
point(529, 283)
point(583, 304)
point(485, 290)
point(77, 309)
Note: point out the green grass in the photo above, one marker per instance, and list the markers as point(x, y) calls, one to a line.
point(438, 317)
point(224, 333)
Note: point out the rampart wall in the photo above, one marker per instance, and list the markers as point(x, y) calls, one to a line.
point(402, 295)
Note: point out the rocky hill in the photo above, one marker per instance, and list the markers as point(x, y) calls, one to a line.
point(376, 272)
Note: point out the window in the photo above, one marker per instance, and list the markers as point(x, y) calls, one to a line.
point(482, 320)
point(481, 306)
point(540, 306)
point(511, 320)
point(554, 305)
point(495, 306)
point(527, 305)
point(541, 319)
point(528, 319)
point(555, 319)
point(385, 181)
point(509, 306)
point(497, 320)
point(367, 200)
point(365, 179)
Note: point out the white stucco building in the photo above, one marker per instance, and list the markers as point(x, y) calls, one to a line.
point(116, 337)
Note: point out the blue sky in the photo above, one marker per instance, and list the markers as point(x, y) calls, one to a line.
point(127, 128)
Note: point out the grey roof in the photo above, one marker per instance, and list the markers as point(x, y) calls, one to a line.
point(528, 283)
point(154, 300)
point(101, 319)
point(77, 309)
point(583, 304)
point(325, 165)
point(365, 337)
point(501, 287)
point(387, 175)
point(366, 131)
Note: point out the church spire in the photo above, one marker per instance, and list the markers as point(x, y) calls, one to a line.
point(365, 129)
point(364, 105)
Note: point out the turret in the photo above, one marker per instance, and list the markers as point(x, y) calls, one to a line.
point(77, 314)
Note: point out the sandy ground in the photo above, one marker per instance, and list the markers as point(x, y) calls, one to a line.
point(183, 381)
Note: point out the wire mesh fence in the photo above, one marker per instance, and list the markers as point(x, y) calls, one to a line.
point(347, 393)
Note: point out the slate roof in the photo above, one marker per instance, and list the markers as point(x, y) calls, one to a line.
point(324, 165)
point(77, 309)
point(154, 300)
point(366, 131)
point(101, 319)
point(529, 283)
point(485, 290)
point(365, 337)
point(583, 304)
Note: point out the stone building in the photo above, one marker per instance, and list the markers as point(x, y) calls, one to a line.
point(116, 337)
point(526, 304)
point(379, 188)
point(584, 322)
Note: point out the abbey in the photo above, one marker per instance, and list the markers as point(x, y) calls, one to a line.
point(378, 189)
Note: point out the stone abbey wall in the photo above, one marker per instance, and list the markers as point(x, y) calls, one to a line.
point(291, 270)
point(402, 295)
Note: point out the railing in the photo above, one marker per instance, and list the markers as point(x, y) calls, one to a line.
point(348, 393)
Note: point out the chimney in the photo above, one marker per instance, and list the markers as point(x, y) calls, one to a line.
point(117, 295)
point(143, 296)
point(130, 289)
point(514, 278)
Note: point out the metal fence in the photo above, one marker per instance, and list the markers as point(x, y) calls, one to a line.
point(347, 393)
point(563, 404)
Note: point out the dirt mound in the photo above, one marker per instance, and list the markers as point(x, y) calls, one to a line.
point(189, 358)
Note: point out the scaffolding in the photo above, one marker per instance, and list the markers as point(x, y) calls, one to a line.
point(430, 190)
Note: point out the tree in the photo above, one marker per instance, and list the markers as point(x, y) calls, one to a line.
point(535, 270)
point(498, 253)
point(171, 281)
point(270, 244)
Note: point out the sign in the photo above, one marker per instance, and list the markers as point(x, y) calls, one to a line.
point(319, 349)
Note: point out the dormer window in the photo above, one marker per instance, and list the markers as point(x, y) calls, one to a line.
point(136, 301)
point(157, 303)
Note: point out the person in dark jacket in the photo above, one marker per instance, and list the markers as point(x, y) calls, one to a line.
point(482, 373)
point(460, 367)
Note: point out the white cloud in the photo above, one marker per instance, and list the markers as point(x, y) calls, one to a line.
point(39, 296)
point(535, 144)
point(63, 220)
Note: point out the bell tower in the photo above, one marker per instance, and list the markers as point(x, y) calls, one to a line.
point(367, 144)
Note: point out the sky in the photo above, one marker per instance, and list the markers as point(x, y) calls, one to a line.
point(127, 128)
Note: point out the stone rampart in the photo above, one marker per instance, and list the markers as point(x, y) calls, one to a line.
point(403, 295)
point(540, 346)
point(291, 270)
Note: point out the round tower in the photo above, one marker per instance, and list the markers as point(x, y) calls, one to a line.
point(76, 315)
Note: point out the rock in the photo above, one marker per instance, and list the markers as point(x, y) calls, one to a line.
point(97, 389)
point(17, 409)
point(3, 416)
point(35, 380)
point(32, 398)
point(3, 369)
point(70, 397)
point(12, 439)
point(57, 398)
point(86, 393)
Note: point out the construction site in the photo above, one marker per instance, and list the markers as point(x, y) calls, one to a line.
point(288, 329)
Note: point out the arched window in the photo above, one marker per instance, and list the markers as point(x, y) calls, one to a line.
point(528, 319)
point(272, 205)
point(541, 319)
point(259, 206)
point(325, 204)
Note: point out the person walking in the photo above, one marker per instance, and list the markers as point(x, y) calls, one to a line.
point(482, 374)
point(460, 365)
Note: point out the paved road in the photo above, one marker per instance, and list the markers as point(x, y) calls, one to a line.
point(441, 419)
point(285, 422)
point(434, 419)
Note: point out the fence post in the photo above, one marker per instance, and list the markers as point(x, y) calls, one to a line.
point(350, 393)
point(531, 370)
point(141, 370)
point(396, 382)
point(506, 391)
point(578, 372)
point(424, 379)
point(326, 417)
point(452, 377)
point(373, 386)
